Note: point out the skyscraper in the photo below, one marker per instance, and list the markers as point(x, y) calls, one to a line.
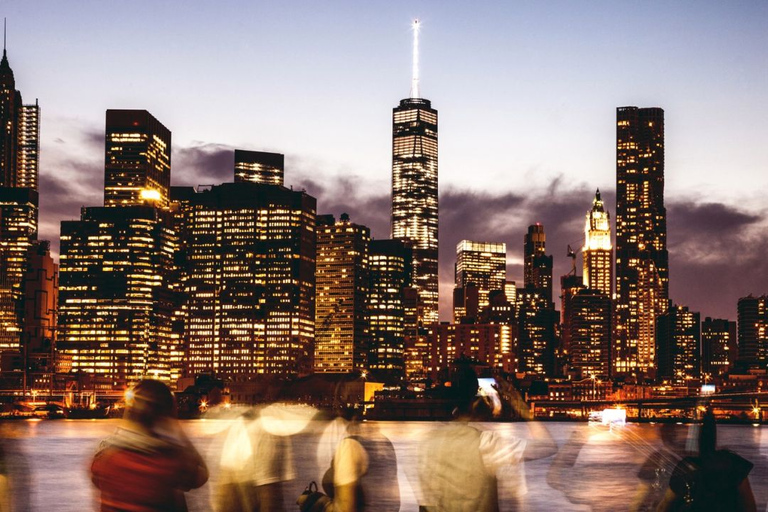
point(678, 339)
point(642, 268)
point(137, 159)
point(19, 160)
point(537, 264)
point(259, 167)
point(414, 190)
point(483, 264)
point(249, 280)
point(342, 284)
point(18, 231)
point(598, 251)
point(390, 279)
point(753, 331)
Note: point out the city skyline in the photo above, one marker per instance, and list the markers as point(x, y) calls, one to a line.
point(554, 194)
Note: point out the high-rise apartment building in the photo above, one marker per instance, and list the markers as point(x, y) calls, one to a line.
point(642, 268)
point(341, 302)
point(719, 348)
point(487, 344)
point(537, 264)
point(483, 264)
point(249, 280)
point(116, 296)
point(259, 167)
point(678, 339)
point(589, 332)
point(598, 250)
point(137, 159)
point(753, 331)
point(19, 135)
point(390, 280)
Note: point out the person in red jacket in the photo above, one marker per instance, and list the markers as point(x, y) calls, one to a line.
point(148, 463)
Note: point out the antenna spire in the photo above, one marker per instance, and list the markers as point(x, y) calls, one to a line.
point(415, 78)
point(5, 22)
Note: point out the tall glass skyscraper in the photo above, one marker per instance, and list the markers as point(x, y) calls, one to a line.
point(642, 267)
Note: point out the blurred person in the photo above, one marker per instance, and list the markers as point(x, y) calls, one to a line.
point(653, 476)
point(714, 480)
point(148, 463)
point(363, 465)
point(460, 466)
point(257, 458)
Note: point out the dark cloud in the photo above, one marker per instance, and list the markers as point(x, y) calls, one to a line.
point(203, 164)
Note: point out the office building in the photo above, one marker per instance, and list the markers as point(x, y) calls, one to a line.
point(116, 296)
point(642, 268)
point(483, 264)
point(390, 279)
point(259, 167)
point(753, 331)
point(20, 134)
point(598, 250)
point(719, 348)
point(537, 264)
point(678, 339)
point(342, 284)
point(538, 334)
point(137, 160)
point(589, 333)
point(18, 231)
point(249, 280)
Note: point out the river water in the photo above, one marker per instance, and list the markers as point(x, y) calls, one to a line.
point(49, 462)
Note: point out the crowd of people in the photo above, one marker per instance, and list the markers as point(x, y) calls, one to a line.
point(149, 463)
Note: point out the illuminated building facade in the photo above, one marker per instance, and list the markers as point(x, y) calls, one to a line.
point(753, 331)
point(19, 161)
point(342, 284)
point(116, 296)
point(390, 280)
point(537, 265)
point(483, 264)
point(570, 285)
point(414, 195)
point(718, 346)
point(589, 331)
point(642, 268)
point(259, 167)
point(137, 161)
point(18, 230)
point(249, 280)
point(678, 339)
point(597, 250)
point(538, 340)
point(490, 344)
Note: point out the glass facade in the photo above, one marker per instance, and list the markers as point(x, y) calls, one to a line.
point(642, 268)
point(259, 167)
point(483, 264)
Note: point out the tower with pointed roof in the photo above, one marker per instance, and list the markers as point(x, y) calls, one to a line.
point(598, 250)
point(19, 129)
point(414, 203)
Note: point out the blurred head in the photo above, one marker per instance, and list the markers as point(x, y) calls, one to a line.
point(151, 401)
point(464, 386)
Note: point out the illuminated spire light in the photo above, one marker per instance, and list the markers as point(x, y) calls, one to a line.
point(415, 78)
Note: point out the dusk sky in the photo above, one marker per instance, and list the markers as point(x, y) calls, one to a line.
point(526, 94)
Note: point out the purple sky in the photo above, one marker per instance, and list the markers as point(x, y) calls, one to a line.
point(526, 95)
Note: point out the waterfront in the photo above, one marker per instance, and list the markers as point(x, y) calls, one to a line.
point(54, 456)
